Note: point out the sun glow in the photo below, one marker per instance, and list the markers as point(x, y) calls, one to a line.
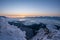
point(16, 16)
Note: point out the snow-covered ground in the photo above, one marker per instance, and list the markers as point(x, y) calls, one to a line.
point(10, 32)
point(49, 29)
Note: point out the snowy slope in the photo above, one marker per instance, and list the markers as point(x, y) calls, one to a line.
point(10, 32)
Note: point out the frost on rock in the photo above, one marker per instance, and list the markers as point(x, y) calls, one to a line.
point(8, 32)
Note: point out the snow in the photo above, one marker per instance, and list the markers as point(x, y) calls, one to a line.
point(39, 35)
point(53, 34)
point(8, 32)
point(30, 21)
point(51, 27)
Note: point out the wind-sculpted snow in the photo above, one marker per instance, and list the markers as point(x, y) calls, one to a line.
point(10, 32)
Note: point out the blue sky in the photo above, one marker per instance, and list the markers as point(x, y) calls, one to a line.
point(40, 7)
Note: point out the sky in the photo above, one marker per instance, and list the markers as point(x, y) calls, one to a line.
point(29, 8)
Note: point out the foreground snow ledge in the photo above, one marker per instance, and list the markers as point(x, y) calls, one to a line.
point(8, 32)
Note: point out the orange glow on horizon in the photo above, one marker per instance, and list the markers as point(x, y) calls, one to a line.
point(16, 16)
point(22, 15)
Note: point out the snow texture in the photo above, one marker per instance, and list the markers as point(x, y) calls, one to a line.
point(10, 32)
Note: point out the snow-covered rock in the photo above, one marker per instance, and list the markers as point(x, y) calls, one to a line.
point(10, 32)
point(53, 34)
point(39, 35)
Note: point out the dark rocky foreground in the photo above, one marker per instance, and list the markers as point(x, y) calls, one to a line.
point(31, 30)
